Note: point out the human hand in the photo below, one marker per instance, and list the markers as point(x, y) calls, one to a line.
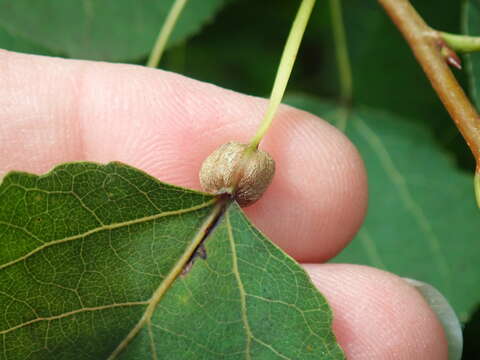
point(55, 110)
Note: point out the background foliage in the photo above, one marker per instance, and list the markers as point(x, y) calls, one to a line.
point(422, 221)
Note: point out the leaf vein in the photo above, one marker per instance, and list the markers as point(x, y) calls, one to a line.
point(241, 288)
point(73, 312)
point(106, 227)
point(371, 249)
point(407, 198)
point(272, 349)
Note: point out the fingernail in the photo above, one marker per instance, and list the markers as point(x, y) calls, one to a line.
point(445, 314)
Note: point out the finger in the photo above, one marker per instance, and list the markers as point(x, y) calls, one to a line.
point(167, 124)
point(377, 315)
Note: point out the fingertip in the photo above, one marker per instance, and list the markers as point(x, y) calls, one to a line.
point(37, 124)
point(167, 124)
point(317, 199)
point(378, 315)
point(319, 193)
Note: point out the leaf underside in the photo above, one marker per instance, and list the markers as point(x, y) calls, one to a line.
point(90, 263)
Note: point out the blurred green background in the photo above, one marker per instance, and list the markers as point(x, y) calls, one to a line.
point(423, 222)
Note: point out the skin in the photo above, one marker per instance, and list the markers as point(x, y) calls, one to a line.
point(54, 110)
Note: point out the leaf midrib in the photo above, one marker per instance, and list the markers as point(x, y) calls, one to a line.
point(169, 279)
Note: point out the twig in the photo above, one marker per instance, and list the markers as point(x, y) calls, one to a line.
point(343, 63)
point(426, 44)
point(165, 32)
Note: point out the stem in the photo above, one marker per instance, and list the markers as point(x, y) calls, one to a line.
point(284, 70)
point(165, 32)
point(343, 63)
point(461, 43)
point(476, 186)
point(341, 51)
point(424, 41)
point(176, 59)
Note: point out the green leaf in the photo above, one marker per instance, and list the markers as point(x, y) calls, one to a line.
point(90, 268)
point(471, 26)
point(115, 30)
point(422, 221)
point(13, 43)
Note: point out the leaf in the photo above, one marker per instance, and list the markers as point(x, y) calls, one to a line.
point(115, 30)
point(12, 43)
point(422, 221)
point(471, 26)
point(90, 260)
